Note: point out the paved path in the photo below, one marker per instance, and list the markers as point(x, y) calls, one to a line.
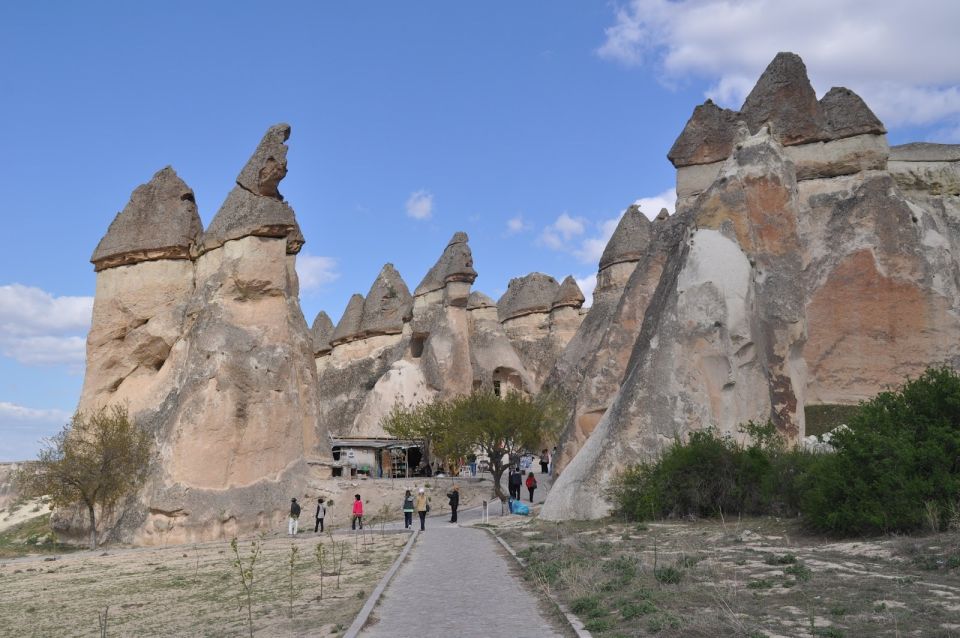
point(457, 583)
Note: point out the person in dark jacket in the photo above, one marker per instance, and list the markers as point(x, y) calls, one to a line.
point(454, 496)
point(515, 482)
point(407, 510)
point(294, 517)
point(321, 512)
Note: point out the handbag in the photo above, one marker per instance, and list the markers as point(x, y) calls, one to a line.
point(428, 507)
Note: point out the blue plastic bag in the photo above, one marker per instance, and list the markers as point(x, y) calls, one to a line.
point(520, 508)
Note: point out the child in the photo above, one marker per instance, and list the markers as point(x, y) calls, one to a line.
point(357, 512)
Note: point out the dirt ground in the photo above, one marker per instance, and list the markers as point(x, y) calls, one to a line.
point(752, 578)
point(195, 590)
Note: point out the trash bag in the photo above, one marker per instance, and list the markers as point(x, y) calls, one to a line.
point(520, 508)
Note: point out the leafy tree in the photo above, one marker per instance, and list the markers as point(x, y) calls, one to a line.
point(498, 426)
point(96, 459)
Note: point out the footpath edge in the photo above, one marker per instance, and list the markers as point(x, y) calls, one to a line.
point(354, 630)
point(575, 623)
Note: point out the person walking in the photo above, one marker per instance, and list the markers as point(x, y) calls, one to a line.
point(357, 512)
point(544, 461)
point(292, 524)
point(515, 481)
point(454, 496)
point(531, 484)
point(321, 512)
point(422, 505)
point(407, 510)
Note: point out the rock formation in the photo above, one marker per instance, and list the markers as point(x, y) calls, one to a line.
point(540, 317)
point(203, 338)
point(444, 341)
point(592, 367)
point(780, 282)
point(807, 263)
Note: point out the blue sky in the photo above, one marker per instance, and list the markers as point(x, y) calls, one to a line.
point(529, 125)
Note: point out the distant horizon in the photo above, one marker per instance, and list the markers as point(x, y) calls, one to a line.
point(532, 130)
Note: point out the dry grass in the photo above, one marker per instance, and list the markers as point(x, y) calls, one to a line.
point(751, 578)
point(192, 591)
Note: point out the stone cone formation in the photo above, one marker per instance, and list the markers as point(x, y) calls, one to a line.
point(443, 341)
point(202, 335)
point(808, 263)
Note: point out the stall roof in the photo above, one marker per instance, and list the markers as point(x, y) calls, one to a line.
point(375, 443)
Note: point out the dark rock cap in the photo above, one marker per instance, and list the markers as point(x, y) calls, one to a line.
point(846, 114)
point(349, 326)
point(255, 207)
point(388, 304)
point(478, 300)
point(268, 164)
point(526, 295)
point(784, 98)
point(455, 264)
point(708, 136)
point(662, 215)
point(159, 222)
point(321, 331)
point(629, 240)
point(568, 294)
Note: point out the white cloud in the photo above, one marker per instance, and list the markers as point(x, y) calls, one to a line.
point(420, 205)
point(315, 271)
point(559, 234)
point(517, 225)
point(38, 328)
point(589, 249)
point(22, 429)
point(47, 351)
point(29, 311)
point(587, 283)
point(902, 58)
point(11, 412)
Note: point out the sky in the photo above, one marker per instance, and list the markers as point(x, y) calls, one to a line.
point(529, 125)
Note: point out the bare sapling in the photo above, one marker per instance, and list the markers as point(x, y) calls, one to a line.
point(294, 550)
point(318, 553)
point(245, 570)
point(102, 620)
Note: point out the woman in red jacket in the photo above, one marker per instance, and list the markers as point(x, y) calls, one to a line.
point(531, 484)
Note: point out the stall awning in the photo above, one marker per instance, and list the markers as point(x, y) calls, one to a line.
point(378, 444)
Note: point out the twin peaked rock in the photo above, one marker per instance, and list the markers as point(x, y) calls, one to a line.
point(202, 336)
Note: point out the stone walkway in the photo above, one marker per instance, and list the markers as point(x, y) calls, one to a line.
point(457, 583)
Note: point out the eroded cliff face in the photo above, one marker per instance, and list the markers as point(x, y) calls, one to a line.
point(808, 263)
point(206, 343)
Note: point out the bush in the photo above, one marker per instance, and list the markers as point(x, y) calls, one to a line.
point(896, 467)
point(710, 474)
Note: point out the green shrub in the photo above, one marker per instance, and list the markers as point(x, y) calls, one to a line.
point(710, 474)
point(668, 575)
point(898, 458)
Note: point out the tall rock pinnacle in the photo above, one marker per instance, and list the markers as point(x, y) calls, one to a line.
point(455, 264)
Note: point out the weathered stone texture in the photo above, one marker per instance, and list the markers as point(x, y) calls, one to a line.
point(159, 222)
point(255, 207)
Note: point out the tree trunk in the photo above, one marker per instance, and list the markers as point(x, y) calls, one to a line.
point(497, 469)
point(93, 526)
